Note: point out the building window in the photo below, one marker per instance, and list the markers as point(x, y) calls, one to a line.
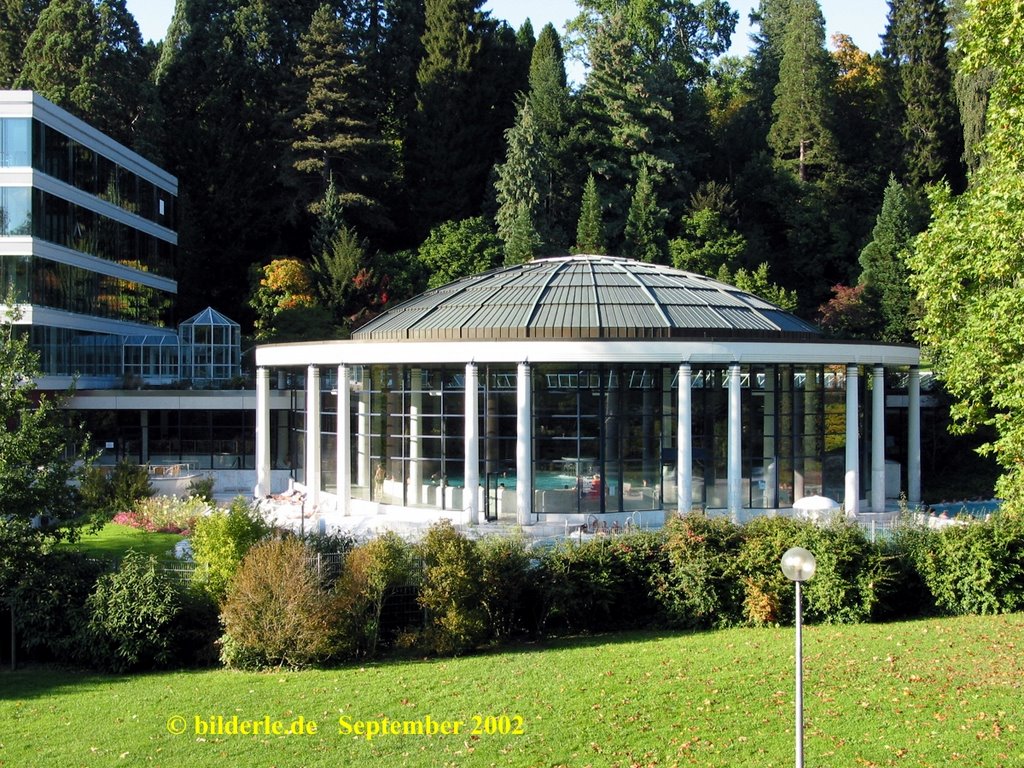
point(15, 142)
point(15, 211)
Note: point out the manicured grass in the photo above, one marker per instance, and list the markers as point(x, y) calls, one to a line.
point(114, 539)
point(925, 693)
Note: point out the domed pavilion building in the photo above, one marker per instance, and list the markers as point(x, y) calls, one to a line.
point(588, 388)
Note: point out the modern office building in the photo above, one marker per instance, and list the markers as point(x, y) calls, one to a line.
point(88, 246)
point(586, 388)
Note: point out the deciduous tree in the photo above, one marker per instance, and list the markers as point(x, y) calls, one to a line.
point(967, 266)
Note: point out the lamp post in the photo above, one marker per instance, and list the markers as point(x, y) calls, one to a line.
point(798, 565)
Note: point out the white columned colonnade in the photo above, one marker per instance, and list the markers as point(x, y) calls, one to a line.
point(744, 354)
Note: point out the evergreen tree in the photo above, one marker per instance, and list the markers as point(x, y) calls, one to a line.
point(522, 242)
point(645, 234)
point(771, 18)
point(884, 270)
point(590, 230)
point(59, 58)
point(707, 241)
point(916, 46)
point(338, 133)
point(330, 219)
point(518, 189)
point(640, 102)
point(550, 102)
point(17, 20)
point(228, 120)
point(462, 108)
point(801, 134)
point(89, 59)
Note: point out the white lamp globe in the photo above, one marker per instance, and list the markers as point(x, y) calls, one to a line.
point(798, 564)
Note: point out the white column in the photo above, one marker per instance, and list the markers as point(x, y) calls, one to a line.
point(914, 437)
point(735, 449)
point(313, 438)
point(363, 439)
point(769, 425)
point(415, 426)
point(851, 497)
point(471, 465)
point(262, 433)
point(684, 437)
point(344, 455)
point(878, 439)
point(524, 445)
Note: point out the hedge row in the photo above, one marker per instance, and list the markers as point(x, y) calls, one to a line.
point(449, 594)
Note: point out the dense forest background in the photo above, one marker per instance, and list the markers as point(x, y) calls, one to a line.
point(334, 158)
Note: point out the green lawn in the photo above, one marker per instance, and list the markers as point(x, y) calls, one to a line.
point(114, 539)
point(926, 693)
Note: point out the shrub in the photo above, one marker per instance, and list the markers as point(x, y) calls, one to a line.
point(276, 613)
point(450, 590)
point(852, 581)
point(109, 491)
point(505, 574)
point(202, 487)
point(371, 573)
point(219, 542)
point(49, 604)
point(976, 568)
point(767, 594)
point(330, 550)
point(582, 584)
point(701, 587)
point(853, 576)
point(131, 616)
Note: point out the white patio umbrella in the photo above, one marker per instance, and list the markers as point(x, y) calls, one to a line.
point(814, 507)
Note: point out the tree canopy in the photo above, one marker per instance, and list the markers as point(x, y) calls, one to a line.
point(967, 266)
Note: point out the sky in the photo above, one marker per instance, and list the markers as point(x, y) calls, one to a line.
point(863, 20)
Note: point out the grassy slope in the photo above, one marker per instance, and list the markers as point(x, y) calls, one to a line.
point(927, 693)
point(113, 540)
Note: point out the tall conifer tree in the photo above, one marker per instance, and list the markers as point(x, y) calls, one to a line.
point(463, 106)
point(550, 103)
point(338, 136)
point(916, 44)
point(884, 271)
point(801, 133)
point(518, 189)
point(590, 229)
point(645, 224)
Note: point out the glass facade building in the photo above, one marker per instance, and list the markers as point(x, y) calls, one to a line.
point(88, 247)
point(87, 239)
point(592, 387)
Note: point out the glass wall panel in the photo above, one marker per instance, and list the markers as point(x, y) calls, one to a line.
point(15, 211)
point(67, 352)
point(72, 162)
point(46, 283)
point(498, 416)
point(58, 221)
point(833, 395)
point(635, 415)
point(15, 142)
